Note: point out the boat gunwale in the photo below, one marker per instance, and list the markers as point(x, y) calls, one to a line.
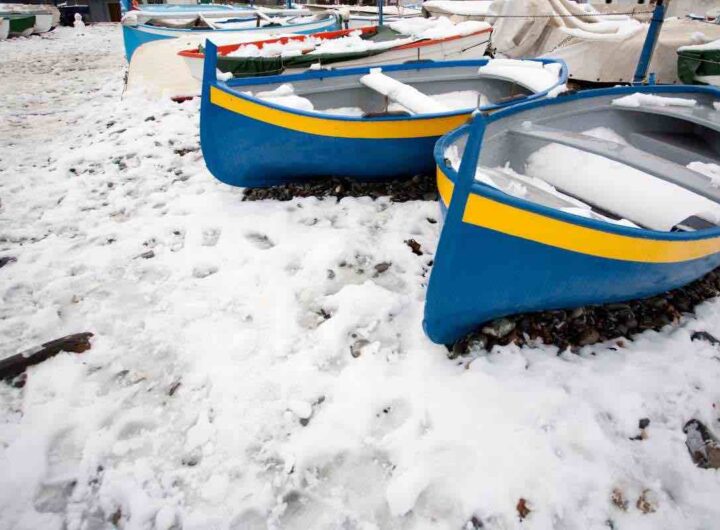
point(227, 48)
point(495, 194)
point(231, 85)
point(223, 50)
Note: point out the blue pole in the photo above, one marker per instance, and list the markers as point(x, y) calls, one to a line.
point(380, 11)
point(650, 42)
point(288, 4)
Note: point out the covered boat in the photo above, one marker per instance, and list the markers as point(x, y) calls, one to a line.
point(138, 31)
point(597, 47)
point(596, 197)
point(356, 122)
point(700, 63)
point(372, 45)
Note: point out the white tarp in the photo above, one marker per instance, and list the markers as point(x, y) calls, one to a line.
point(597, 47)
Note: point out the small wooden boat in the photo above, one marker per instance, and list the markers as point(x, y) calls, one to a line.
point(368, 46)
point(590, 198)
point(354, 122)
point(138, 31)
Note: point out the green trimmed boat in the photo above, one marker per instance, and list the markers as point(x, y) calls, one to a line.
point(20, 24)
point(700, 64)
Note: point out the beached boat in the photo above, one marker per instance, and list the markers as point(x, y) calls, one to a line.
point(20, 25)
point(27, 19)
point(595, 197)
point(356, 122)
point(137, 30)
point(372, 45)
point(700, 63)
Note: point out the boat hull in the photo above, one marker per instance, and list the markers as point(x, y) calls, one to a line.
point(464, 47)
point(290, 146)
point(136, 36)
point(499, 255)
point(21, 25)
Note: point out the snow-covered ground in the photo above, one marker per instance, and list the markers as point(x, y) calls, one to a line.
point(260, 365)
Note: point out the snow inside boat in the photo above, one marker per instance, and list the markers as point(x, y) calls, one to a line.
point(361, 123)
point(138, 31)
point(373, 45)
point(596, 197)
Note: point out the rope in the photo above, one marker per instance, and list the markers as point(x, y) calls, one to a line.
point(698, 59)
point(573, 16)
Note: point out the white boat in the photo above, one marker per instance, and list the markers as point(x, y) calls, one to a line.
point(137, 30)
point(367, 46)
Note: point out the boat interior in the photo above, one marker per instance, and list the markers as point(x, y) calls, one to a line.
point(640, 163)
point(453, 86)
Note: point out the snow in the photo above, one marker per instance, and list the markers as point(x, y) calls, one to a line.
point(532, 74)
point(465, 8)
point(712, 171)
point(91, 182)
point(284, 95)
point(639, 99)
point(437, 28)
point(409, 97)
point(716, 105)
point(617, 188)
point(410, 31)
point(706, 46)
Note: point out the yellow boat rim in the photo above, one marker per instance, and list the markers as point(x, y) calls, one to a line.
point(487, 213)
point(339, 128)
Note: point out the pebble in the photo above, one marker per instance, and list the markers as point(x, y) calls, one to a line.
point(585, 326)
point(418, 188)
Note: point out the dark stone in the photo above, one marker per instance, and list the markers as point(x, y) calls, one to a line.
point(4, 260)
point(415, 247)
point(704, 335)
point(382, 267)
point(643, 423)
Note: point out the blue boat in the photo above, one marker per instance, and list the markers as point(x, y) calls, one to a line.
point(139, 27)
point(504, 252)
point(255, 141)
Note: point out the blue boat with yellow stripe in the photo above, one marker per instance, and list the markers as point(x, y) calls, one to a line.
point(590, 198)
point(265, 131)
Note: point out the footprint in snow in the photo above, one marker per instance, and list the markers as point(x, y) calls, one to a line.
point(261, 241)
point(210, 236)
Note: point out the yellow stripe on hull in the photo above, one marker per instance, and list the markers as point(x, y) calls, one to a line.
point(381, 129)
point(487, 213)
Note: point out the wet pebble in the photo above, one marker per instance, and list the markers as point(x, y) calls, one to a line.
point(417, 188)
point(585, 326)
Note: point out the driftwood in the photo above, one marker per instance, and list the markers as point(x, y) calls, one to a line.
point(16, 364)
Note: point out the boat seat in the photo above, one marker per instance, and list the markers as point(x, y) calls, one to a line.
point(625, 154)
point(674, 148)
point(704, 116)
point(407, 96)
